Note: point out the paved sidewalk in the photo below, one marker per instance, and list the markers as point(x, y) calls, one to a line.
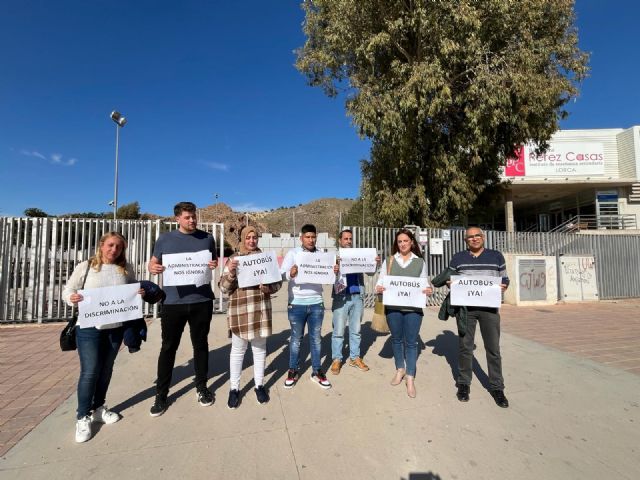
point(570, 416)
point(35, 378)
point(607, 332)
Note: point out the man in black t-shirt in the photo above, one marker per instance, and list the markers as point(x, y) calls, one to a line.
point(184, 304)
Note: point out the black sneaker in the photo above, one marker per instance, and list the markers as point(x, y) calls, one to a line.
point(463, 393)
point(159, 406)
point(205, 397)
point(261, 394)
point(321, 379)
point(500, 399)
point(292, 378)
point(234, 399)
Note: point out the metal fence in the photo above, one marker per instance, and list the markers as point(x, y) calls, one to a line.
point(617, 256)
point(37, 256)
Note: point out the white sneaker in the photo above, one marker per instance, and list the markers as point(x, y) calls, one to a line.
point(104, 415)
point(83, 429)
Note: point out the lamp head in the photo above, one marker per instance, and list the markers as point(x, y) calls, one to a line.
point(118, 118)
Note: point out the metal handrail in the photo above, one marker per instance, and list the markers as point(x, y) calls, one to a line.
point(598, 222)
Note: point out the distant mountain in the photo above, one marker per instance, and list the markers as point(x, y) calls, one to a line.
point(323, 213)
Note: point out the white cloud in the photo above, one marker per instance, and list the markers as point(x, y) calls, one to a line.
point(54, 158)
point(248, 207)
point(33, 153)
point(217, 166)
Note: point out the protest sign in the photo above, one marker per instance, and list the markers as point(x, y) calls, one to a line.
point(315, 267)
point(186, 268)
point(358, 260)
point(257, 269)
point(404, 291)
point(101, 306)
point(476, 291)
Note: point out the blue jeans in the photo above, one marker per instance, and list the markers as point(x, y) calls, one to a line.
point(346, 308)
point(299, 315)
point(405, 327)
point(97, 350)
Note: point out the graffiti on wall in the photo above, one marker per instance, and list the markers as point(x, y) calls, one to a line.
point(532, 279)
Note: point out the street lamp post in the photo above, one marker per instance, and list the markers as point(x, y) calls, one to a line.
point(120, 121)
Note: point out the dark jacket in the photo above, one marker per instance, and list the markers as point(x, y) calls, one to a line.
point(135, 331)
point(446, 309)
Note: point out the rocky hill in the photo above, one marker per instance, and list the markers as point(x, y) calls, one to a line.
point(323, 213)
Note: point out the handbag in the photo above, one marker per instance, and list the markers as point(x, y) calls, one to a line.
point(379, 321)
point(68, 333)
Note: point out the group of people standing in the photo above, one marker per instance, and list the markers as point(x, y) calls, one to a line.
point(249, 316)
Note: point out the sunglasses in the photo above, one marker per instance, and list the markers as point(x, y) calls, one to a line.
point(471, 237)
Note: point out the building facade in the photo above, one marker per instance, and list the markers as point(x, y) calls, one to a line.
point(586, 180)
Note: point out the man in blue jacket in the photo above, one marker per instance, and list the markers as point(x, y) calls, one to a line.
point(347, 307)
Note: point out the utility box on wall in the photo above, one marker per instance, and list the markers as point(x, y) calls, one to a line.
point(534, 280)
point(578, 280)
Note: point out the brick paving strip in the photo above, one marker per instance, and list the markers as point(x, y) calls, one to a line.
point(607, 332)
point(36, 377)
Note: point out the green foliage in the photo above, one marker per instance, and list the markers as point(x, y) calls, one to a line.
point(130, 211)
point(445, 89)
point(35, 212)
point(86, 215)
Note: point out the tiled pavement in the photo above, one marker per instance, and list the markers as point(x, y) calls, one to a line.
point(607, 332)
point(36, 377)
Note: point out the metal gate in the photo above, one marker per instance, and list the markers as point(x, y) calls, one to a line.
point(37, 256)
point(617, 257)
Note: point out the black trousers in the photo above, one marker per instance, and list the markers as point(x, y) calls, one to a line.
point(489, 320)
point(173, 320)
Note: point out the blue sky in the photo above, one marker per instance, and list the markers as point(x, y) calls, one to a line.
point(213, 102)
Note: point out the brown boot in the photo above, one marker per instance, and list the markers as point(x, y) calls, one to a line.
point(336, 366)
point(359, 364)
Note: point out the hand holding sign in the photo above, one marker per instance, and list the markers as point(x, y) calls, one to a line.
point(476, 291)
point(358, 260)
point(405, 291)
point(101, 306)
point(315, 267)
point(192, 268)
point(257, 269)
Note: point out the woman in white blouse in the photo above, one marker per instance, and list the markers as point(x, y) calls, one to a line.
point(404, 322)
point(98, 346)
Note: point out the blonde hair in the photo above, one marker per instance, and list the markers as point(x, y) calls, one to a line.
point(97, 261)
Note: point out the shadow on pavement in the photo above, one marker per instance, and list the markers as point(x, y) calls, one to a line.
point(446, 345)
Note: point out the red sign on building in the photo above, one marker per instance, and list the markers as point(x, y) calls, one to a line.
point(515, 166)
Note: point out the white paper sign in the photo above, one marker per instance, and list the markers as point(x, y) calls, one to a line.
point(186, 268)
point(480, 291)
point(101, 306)
point(404, 291)
point(358, 260)
point(446, 235)
point(258, 269)
point(315, 267)
point(436, 246)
